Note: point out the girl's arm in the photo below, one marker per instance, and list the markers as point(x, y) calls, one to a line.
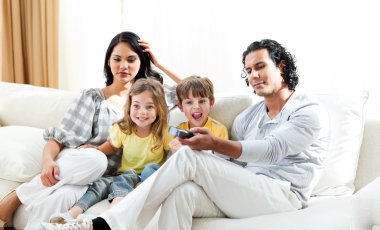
point(168, 72)
point(107, 148)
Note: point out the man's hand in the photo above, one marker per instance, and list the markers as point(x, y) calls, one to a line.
point(202, 140)
point(50, 172)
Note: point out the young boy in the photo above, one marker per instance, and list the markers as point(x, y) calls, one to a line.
point(195, 99)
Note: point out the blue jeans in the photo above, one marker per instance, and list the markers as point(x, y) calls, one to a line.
point(108, 187)
point(148, 170)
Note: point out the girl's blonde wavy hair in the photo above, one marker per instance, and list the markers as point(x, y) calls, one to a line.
point(154, 87)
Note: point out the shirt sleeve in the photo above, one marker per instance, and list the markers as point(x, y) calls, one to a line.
point(167, 139)
point(116, 136)
point(293, 136)
point(76, 127)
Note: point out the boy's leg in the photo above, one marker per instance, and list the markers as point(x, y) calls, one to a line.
point(123, 184)
point(237, 192)
point(149, 170)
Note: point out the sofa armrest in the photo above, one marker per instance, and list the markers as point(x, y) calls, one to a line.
point(369, 158)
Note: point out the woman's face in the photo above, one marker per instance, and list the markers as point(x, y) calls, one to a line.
point(124, 63)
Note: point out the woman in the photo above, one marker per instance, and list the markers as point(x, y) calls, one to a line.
point(67, 169)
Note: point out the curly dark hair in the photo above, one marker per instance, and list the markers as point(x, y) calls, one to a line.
point(145, 67)
point(277, 53)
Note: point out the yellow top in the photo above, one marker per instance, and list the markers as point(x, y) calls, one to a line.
point(216, 128)
point(137, 151)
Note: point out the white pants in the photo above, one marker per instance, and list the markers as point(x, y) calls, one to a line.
point(193, 183)
point(78, 168)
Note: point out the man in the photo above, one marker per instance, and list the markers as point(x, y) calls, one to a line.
point(278, 150)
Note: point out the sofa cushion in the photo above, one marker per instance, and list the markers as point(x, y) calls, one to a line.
point(33, 106)
point(366, 206)
point(20, 152)
point(346, 132)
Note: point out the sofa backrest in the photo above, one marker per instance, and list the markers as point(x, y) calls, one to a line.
point(33, 106)
point(40, 107)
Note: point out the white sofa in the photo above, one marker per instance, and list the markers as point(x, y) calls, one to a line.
point(26, 110)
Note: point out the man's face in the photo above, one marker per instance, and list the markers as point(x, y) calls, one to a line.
point(263, 75)
point(196, 110)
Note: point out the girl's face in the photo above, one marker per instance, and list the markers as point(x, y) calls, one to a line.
point(143, 111)
point(124, 63)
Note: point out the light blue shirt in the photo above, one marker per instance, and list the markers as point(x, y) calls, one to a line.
point(290, 147)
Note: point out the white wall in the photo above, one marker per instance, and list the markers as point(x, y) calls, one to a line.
point(335, 42)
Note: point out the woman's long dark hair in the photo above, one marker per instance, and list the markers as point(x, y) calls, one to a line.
point(145, 67)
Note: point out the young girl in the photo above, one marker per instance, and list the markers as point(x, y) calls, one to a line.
point(143, 136)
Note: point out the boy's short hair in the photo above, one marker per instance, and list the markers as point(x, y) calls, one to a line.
point(198, 86)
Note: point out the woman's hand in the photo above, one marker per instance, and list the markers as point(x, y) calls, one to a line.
point(148, 49)
point(86, 146)
point(146, 46)
point(49, 174)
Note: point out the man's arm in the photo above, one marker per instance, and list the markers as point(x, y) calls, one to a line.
point(204, 140)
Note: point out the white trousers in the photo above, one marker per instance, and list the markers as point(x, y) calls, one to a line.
point(199, 184)
point(78, 168)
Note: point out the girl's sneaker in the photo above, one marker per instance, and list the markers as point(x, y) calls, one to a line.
point(61, 218)
point(77, 224)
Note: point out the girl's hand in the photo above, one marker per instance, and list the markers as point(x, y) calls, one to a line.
point(86, 146)
point(147, 49)
point(175, 145)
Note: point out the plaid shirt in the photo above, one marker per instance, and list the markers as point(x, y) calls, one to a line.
point(88, 121)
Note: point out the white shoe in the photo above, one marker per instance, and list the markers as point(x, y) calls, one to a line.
point(60, 218)
point(77, 224)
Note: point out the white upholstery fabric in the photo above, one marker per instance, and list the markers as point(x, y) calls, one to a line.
point(20, 152)
point(33, 106)
point(346, 132)
point(366, 203)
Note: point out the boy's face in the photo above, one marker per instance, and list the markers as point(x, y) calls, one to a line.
point(196, 110)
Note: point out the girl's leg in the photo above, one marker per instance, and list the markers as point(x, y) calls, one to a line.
point(237, 192)
point(123, 184)
point(96, 192)
point(149, 170)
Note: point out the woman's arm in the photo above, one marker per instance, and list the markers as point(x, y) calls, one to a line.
point(50, 169)
point(168, 72)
